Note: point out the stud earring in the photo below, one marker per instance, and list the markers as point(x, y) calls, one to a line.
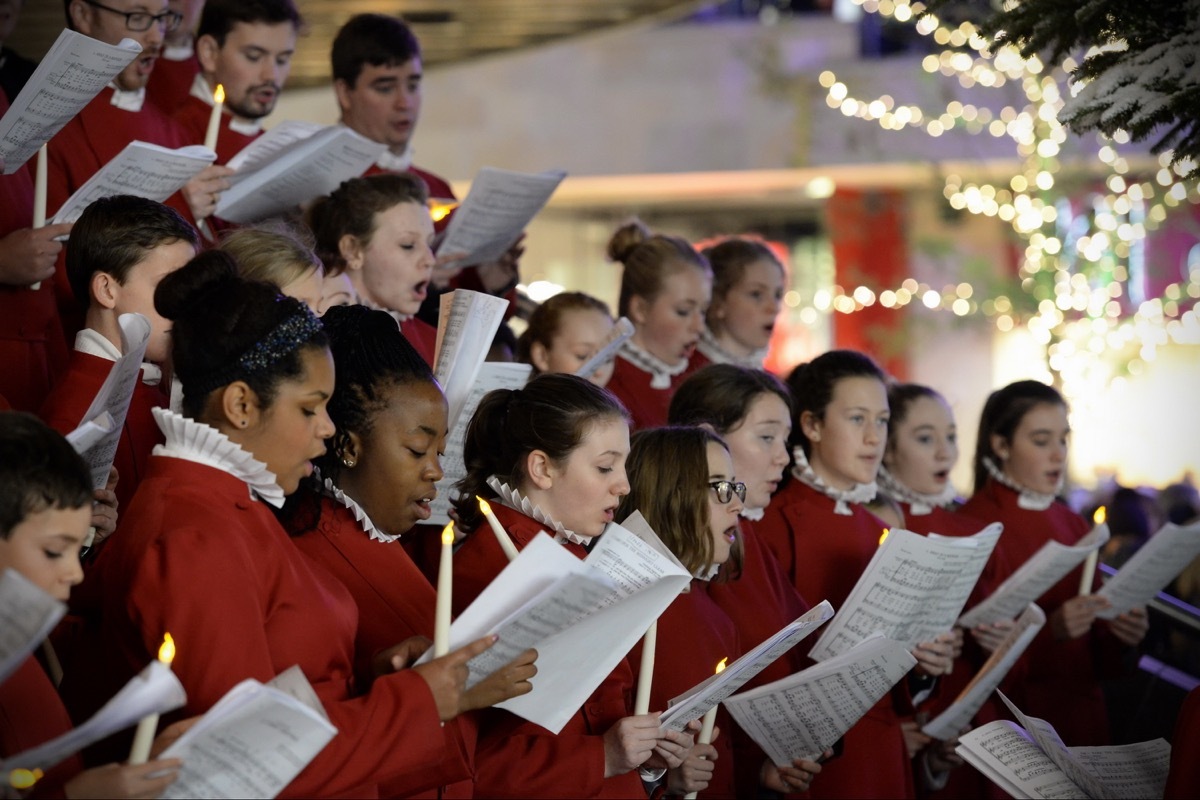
point(348, 462)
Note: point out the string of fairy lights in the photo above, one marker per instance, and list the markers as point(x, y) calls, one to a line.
point(1079, 253)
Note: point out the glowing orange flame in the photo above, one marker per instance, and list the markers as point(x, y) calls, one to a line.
point(721, 666)
point(1100, 516)
point(439, 209)
point(883, 538)
point(448, 534)
point(24, 778)
point(484, 505)
point(219, 95)
point(166, 653)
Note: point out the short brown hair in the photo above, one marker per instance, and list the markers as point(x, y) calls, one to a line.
point(351, 209)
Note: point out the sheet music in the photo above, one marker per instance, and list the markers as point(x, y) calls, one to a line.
point(252, 743)
point(608, 351)
point(1151, 568)
point(73, 71)
point(155, 690)
point(142, 169)
point(958, 714)
point(114, 397)
point(1129, 770)
point(89, 433)
point(802, 715)
point(27, 615)
point(695, 702)
point(1046, 567)
point(492, 375)
point(632, 562)
point(468, 323)
point(293, 683)
point(270, 144)
point(497, 209)
point(912, 590)
point(1010, 758)
point(276, 181)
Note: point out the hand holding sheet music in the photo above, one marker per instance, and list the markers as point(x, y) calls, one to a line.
point(498, 207)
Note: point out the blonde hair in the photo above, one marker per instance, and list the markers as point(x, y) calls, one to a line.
point(277, 256)
point(649, 258)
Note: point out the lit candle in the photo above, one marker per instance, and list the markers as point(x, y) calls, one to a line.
point(23, 779)
point(140, 752)
point(646, 673)
point(214, 119)
point(39, 197)
point(706, 727)
point(441, 614)
point(884, 535)
point(1089, 563)
point(506, 543)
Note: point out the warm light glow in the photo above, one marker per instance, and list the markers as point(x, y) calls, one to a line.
point(1100, 516)
point(219, 94)
point(721, 666)
point(439, 209)
point(25, 778)
point(484, 506)
point(166, 652)
point(448, 533)
point(883, 537)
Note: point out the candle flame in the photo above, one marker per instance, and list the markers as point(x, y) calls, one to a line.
point(166, 653)
point(721, 666)
point(219, 94)
point(448, 534)
point(883, 538)
point(1100, 516)
point(484, 505)
point(24, 778)
point(439, 209)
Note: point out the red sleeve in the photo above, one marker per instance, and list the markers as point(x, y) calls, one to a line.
point(31, 714)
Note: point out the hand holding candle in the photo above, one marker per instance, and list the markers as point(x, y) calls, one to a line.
point(1089, 564)
point(445, 587)
point(140, 752)
point(214, 120)
point(506, 542)
point(710, 721)
point(646, 672)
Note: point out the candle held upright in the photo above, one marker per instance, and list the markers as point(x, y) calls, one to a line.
point(214, 119)
point(1089, 563)
point(144, 737)
point(445, 588)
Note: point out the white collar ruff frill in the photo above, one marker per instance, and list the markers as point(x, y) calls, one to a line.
point(919, 503)
point(707, 573)
point(660, 372)
point(512, 498)
point(714, 352)
point(127, 99)
point(194, 441)
point(859, 493)
point(753, 514)
point(330, 490)
point(1026, 498)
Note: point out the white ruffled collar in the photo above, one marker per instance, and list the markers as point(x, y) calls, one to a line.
point(512, 498)
point(707, 573)
point(127, 99)
point(247, 127)
point(859, 493)
point(919, 503)
point(330, 490)
point(753, 514)
point(714, 352)
point(93, 343)
point(395, 163)
point(203, 444)
point(660, 372)
point(1026, 498)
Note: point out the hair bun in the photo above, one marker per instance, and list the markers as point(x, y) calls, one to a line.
point(183, 291)
point(626, 240)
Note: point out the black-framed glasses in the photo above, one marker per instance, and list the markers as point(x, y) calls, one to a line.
point(727, 489)
point(138, 21)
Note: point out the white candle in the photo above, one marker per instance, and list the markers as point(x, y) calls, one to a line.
point(445, 586)
point(1089, 564)
point(706, 727)
point(646, 673)
point(506, 542)
point(39, 197)
point(214, 119)
point(144, 737)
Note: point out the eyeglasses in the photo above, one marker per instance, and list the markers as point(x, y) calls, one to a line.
point(138, 21)
point(727, 489)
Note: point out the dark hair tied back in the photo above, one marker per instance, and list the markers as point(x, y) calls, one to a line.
point(812, 385)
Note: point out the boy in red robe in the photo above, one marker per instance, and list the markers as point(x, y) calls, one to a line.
point(119, 250)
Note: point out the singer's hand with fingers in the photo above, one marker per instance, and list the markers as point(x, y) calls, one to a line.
point(956, 643)
point(914, 740)
point(935, 657)
point(123, 780)
point(399, 656)
point(512, 680)
point(203, 192)
point(447, 677)
point(629, 743)
point(446, 268)
point(1131, 627)
point(28, 255)
point(990, 636)
point(670, 750)
point(1074, 618)
point(696, 771)
point(104, 514)
point(796, 777)
point(170, 735)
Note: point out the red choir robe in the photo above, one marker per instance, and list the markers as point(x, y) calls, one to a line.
point(824, 553)
point(394, 601)
point(193, 114)
point(31, 714)
point(760, 600)
point(694, 634)
point(516, 758)
point(69, 400)
point(200, 558)
point(1061, 681)
point(1183, 780)
point(422, 336)
point(171, 81)
point(647, 406)
point(32, 346)
point(90, 140)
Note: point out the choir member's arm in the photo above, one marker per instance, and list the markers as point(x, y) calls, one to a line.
point(124, 780)
point(1074, 618)
point(936, 657)
point(27, 255)
point(203, 192)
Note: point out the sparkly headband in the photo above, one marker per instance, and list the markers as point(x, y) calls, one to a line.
point(282, 341)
